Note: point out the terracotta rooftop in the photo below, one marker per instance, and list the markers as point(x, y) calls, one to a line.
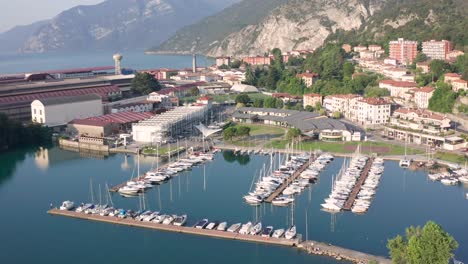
point(455, 75)
point(307, 74)
point(420, 113)
point(312, 95)
point(374, 101)
point(426, 89)
point(399, 83)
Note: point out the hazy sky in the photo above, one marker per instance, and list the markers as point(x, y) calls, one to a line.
point(23, 12)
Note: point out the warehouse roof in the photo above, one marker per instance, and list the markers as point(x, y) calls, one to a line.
point(70, 99)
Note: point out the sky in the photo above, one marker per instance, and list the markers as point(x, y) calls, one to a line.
point(24, 12)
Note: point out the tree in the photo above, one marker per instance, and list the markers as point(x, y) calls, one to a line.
point(258, 102)
point(443, 99)
point(229, 133)
point(374, 91)
point(269, 102)
point(243, 131)
point(250, 77)
point(193, 91)
point(272, 77)
point(279, 103)
point(318, 106)
point(322, 112)
point(293, 133)
point(240, 105)
point(309, 108)
point(348, 70)
point(336, 115)
point(14, 134)
point(438, 68)
point(461, 65)
point(243, 98)
point(145, 83)
point(235, 64)
point(420, 57)
point(430, 244)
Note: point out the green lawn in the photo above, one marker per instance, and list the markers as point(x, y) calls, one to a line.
point(349, 147)
point(451, 157)
point(256, 130)
point(162, 151)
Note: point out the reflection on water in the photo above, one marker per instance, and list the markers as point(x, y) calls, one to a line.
point(230, 156)
point(9, 161)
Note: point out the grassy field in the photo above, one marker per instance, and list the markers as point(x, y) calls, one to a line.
point(451, 157)
point(162, 151)
point(257, 130)
point(350, 147)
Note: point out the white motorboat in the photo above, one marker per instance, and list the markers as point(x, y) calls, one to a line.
point(245, 229)
point(212, 225)
point(405, 163)
point(331, 207)
point(129, 190)
point(449, 181)
point(201, 224)
point(150, 217)
point(159, 219)
point(257, 228)
point(282, 201)
point(168, 220)
point(234, 228)
point(290, 233)
point(278, 233)
point(180, 220)
point(222, 226)
point(253, 199)
point(267, 231)
point(67, 206)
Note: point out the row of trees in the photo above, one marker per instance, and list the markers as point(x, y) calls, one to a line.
point(268, 102)
point(145, 83)
point(14, 134)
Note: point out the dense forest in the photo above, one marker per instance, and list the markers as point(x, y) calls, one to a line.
point(14, 134)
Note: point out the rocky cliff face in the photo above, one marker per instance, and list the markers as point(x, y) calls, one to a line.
point(291, 25)
point(119, 24)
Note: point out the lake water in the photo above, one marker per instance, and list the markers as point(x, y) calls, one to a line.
point(19, 63)
point(30, 181)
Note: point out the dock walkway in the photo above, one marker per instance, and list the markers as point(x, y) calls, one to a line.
point(339, 253)
point(179, 229)
point(291, 179)
point(352, 197)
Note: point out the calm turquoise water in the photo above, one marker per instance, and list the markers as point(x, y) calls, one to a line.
point(30, 181)
point(17, 63)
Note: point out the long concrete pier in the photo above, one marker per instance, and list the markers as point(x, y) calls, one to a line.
point(178, 229)
point(291, 179)
point(352, 197)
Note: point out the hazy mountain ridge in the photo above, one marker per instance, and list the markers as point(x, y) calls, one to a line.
point(119, 24)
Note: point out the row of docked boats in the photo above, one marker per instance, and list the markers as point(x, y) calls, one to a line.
point(454, 177)
point(346, 181)
point(368, 189)
point(247, 151)
point(163, 174)
point(248, 228)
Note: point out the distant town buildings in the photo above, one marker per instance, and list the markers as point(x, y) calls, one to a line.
point(220, 61)
point(437, 50)
point(422, 96)
point(458, 85)
point(258, 60)
point(397, 88)
point(58, 111)
point(403, 51)
point(312, 100)
point(450, 77)
point(346, 104)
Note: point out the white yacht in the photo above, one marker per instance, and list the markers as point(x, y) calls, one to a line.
point(245, 229)
point(278, 233)
point(405, 163)
point(168, 220)
point(67, 206)
point(212, 225)
point(290, 233)
point(159, 219)
point(180, 220)
point(257, 228)
point(234, 228)
point(222, 226)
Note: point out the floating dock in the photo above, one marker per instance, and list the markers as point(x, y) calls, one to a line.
point(291, 179)
point(352, 197)
point(179, 229)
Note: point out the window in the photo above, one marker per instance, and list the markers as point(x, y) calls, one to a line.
point(42, 121)
point(34, 110)
point(40, 112)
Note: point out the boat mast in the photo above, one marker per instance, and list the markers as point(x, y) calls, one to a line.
point(91, 189)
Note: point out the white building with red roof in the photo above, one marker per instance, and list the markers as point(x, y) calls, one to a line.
point(312, 99)
point(397, 88)
point(373, 111)
point(450, 77)
point(308, 78)
point(458, 85)
point(346, 104)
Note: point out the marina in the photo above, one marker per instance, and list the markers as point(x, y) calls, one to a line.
point(206, 191)
point(352, 197)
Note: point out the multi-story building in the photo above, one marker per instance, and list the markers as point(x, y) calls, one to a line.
point(424, 66)
point(258, 60)
point(458, 85)
point(374, 47)
point(437, 50)
point(373, 111)
point(359, 48)
point(220, 61)
point(308, 78)
point(403, 51)
point(422, 96)
point(450, 77)
point(346, 104)
point(367, 55)
point(397, 88)
point(312, 99)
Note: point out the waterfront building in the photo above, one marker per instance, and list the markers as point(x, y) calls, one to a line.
point(437, 50)
point(403, 51)
point(58, 111)
point(106, 125)
point(397, 88)
point(178, 121)
point(312, 100)
point(373, 111)
point(310, 123)
point(308, 78)
point(422, 96)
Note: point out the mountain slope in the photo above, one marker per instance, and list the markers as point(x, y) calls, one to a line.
point(306, 24)
point(13, 39)
point(119, 24)
point(249, 28)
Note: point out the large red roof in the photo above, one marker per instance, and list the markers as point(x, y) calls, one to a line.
point(117, 118)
